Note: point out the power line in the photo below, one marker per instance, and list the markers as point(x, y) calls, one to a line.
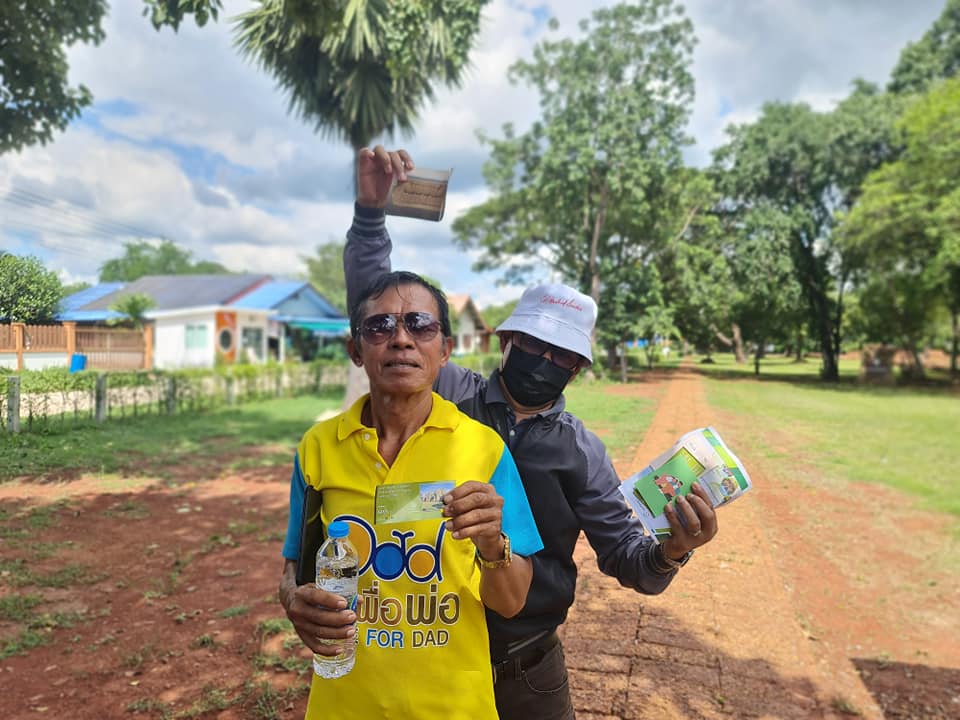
point(70, 217)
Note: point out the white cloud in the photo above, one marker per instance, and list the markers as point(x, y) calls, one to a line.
point(189, 141)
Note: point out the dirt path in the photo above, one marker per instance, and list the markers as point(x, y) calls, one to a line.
point(149, 598)
point(766, 621)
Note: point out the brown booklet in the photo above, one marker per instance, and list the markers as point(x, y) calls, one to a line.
point(423, 195)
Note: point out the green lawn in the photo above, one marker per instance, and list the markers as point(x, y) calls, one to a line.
point(619, 421)
point(147, 444)
point(774, 366)
point(905, 438)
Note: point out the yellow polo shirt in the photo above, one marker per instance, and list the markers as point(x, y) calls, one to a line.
point(422, 636)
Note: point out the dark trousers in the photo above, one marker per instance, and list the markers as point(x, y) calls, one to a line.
point(535, 692)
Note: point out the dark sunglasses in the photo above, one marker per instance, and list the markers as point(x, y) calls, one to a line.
point(377, 329)
point(558, 356)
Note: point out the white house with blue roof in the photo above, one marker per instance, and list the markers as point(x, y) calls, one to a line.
point(199, 320)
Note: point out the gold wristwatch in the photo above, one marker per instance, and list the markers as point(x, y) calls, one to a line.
point(503, 561)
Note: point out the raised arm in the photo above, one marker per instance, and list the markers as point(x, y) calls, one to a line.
point(367, 252)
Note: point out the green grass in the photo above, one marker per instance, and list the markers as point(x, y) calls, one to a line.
point(618, 420)
point(905, 438)
point(130, 446)
point(775, 366)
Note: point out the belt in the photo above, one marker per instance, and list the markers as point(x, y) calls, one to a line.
point(524, 658)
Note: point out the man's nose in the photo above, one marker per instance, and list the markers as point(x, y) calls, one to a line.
point(401, 336)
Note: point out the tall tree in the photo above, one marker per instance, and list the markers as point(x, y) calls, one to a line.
point(360, 68)
point(809, 166)
point(591, 187)
point(36, 99)
point(141, 258)
point(767, 302)
point(29, 293)
point(325, 271)
point(934, 57)
point(907, 224)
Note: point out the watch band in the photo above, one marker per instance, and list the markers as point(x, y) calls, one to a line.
point(503, 561)
point(665, 565)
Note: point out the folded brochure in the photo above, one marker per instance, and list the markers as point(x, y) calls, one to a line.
point(699, 456)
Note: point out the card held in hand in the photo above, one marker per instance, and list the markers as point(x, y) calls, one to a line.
point(423, 195)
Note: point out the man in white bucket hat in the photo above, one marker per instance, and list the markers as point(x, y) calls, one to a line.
point(569, 479)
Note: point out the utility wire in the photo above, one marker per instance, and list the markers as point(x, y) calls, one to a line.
point(29, 198)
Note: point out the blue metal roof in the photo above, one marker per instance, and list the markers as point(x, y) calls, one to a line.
point(78, 299)
point(175, 292)
point(268, 295)
point(294, 298)
point(88, 316)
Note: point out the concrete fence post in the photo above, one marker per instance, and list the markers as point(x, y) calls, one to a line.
point(100, 399)
point(171, 395)
point(231, 390)
point(13, 403)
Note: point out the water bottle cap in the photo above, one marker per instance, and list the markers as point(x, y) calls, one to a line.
point(338, 529)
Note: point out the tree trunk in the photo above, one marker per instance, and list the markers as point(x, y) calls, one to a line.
point(611, 351)
point(735, 342)
point(955, 347)
point(623, 362)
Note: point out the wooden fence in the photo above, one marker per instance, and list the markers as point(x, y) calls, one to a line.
point(104, 348)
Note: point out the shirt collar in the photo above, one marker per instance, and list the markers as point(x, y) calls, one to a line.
point(443, 415)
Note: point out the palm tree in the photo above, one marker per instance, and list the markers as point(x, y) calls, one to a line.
point(364, 70)
point(134, 307)
point(360, 68)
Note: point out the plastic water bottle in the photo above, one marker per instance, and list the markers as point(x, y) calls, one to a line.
point(337, 563)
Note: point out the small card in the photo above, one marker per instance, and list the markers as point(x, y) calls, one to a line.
point(423, 195)
point(410, 501)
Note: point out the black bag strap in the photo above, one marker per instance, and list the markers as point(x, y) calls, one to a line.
point(311, 536)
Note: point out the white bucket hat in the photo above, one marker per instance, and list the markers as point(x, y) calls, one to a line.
point(556, 314)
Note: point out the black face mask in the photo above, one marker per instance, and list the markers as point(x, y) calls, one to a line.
point(532, 380)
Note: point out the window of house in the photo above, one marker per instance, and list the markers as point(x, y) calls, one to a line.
point(251, 343)
point(195, 337)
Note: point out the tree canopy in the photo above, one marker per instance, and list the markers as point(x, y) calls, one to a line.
point(325, 272)
point(934, 57)
point(360, 68)
point(590, 188)
point(36, 99)
point(141, 258)
point(809, 166)
point(29, 293)
point(907, 224)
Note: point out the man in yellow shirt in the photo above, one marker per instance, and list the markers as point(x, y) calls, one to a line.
point(420, 622)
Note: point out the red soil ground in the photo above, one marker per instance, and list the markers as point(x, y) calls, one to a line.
point(157, 599)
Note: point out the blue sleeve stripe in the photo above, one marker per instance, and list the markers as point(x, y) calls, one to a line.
point(291, 546)
point(518, 522)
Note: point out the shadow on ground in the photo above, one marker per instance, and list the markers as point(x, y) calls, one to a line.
point(907, 690)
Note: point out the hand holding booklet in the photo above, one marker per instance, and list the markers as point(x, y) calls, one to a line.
point(699, 456)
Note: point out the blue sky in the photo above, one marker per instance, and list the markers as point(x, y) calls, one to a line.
point(189, 142)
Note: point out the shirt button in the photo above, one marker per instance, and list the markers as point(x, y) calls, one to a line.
point(378, 466)
point(366, 436)
point(513, 433)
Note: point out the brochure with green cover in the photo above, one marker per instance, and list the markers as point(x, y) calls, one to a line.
point(701, 457)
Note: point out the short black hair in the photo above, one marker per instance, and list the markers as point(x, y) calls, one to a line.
point(396, 279)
